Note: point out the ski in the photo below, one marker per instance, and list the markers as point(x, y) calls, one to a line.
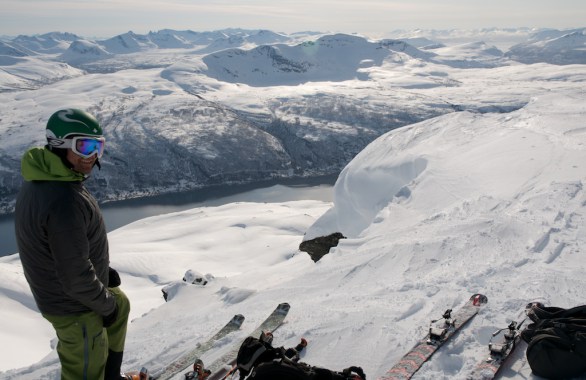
point(500, 351)
point(440, 331)
point(182, 362)
point(223, 367)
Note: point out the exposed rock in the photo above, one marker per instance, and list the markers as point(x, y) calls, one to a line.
point(320, 246)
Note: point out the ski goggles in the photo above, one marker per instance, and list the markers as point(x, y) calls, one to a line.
point(85, 146)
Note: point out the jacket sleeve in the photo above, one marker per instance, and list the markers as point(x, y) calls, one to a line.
point(68, 240)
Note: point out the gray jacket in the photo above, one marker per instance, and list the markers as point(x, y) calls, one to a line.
point(63, 245)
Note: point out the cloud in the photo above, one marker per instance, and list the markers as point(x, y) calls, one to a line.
point(110, 17)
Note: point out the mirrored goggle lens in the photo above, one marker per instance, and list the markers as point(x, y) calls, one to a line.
point(86, 146)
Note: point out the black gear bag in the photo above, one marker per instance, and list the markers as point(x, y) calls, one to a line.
point(556, 341)
point(258, 360)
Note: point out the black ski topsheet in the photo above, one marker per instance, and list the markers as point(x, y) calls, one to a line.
point(222, 366)
point(184, 361)
point(438, 334)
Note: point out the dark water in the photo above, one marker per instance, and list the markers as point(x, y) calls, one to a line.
point(121, 213)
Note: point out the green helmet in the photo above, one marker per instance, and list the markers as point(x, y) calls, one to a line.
point(67, 123)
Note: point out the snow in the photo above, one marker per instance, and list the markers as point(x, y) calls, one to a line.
point(433, 212)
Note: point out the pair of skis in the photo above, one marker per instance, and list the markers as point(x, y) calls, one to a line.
point(224, 366)
point(441, 330)
point(182, 363)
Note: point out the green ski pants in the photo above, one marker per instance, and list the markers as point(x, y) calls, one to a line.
point(83, 342)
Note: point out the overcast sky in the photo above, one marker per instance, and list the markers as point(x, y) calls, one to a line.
point(107, 18)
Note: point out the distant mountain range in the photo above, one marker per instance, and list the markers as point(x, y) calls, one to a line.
point(184, 109)
point(549, 46)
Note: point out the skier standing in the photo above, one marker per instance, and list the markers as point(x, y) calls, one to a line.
point(63, 247)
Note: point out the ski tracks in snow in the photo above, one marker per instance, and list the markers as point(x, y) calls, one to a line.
point(565, 204)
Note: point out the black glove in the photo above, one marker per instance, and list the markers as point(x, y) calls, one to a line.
point(109, 319)
point(113, 278)
point(354, 373)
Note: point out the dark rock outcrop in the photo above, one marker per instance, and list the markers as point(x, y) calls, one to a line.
point(320, 246)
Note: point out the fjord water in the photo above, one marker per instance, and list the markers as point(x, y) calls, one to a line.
point(121, 213)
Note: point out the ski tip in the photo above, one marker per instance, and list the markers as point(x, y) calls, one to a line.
point(237, 320)
point(284, 306)
point(478, 299)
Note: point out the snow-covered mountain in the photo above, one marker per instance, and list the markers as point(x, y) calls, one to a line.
point(30, 73)
point(131, 43)
point(552, 47)
point(7, 49)
point(471, 55)
point(208, 42)
point(422, 43)
point(176, 118)
point(335, 58)
point(264, 37)
point(503, 38)
point(81, 51)
point(435, 211)
point(49, 43)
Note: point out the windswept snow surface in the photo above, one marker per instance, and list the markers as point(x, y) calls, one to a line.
point(433, 212)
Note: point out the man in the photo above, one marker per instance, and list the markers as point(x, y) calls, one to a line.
point(64, 249)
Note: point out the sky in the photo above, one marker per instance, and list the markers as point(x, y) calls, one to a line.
point(374, 18)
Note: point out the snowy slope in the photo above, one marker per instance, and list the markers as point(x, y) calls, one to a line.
point(503, 38)
point(552, 47)
point(7, 50)
point(29, 73)
point(81, 51)
point(131, 43)
point(48, 43)
point(435, 211)
point(335, 58)
point(471, 55)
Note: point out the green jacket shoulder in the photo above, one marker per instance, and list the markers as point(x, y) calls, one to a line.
point(40, 164)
